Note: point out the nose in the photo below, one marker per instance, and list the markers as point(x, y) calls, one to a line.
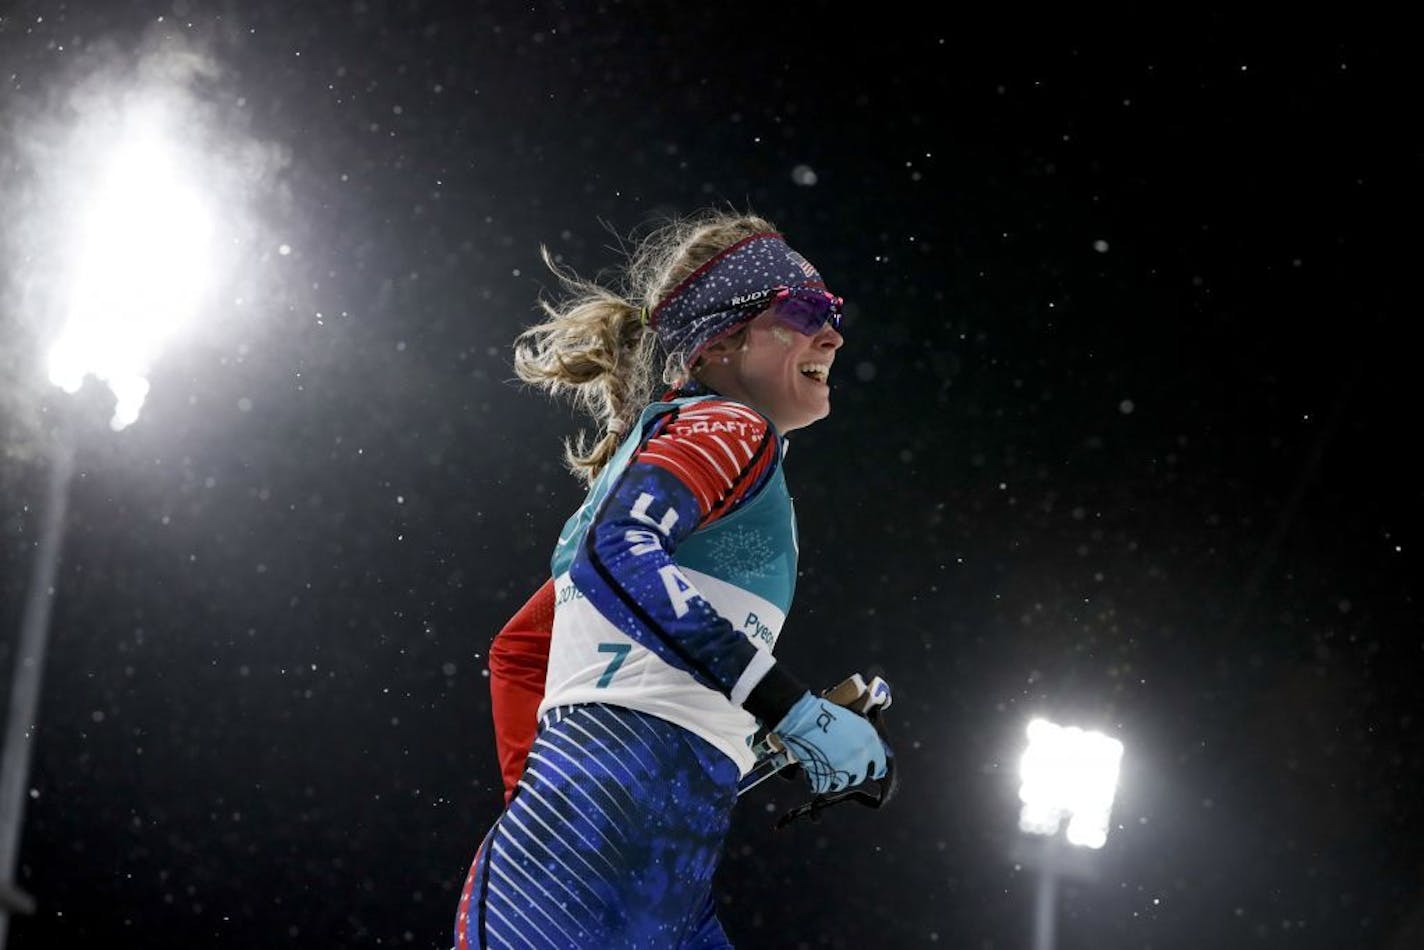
point(829, 336)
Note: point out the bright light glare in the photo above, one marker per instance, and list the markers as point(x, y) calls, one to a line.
point(1068, 773)
point(141, 262)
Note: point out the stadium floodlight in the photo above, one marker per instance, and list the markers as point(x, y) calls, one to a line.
point(138, 267)
point(1067, 773)
point(1071, 773)
point(141, 261)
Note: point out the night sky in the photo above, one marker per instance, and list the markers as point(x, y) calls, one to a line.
point(1121, 436)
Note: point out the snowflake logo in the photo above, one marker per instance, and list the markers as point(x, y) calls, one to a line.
point(742, 555)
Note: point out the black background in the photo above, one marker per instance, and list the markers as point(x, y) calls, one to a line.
point(1164, 485)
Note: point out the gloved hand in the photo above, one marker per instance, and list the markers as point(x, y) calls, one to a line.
point(836, 747)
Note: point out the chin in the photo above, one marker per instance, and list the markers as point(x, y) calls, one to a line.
point(807, 419)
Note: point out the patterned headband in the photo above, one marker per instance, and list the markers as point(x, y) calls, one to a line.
point(713, 299)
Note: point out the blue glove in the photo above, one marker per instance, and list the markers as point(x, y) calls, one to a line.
point(836, 747)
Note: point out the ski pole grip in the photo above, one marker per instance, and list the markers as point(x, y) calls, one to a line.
point(848, 692)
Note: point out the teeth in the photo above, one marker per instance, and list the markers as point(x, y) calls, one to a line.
point(817, 371)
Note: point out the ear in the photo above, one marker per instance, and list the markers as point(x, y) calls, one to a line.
point(724, 346)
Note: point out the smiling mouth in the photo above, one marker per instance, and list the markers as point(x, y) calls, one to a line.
point(818, 372)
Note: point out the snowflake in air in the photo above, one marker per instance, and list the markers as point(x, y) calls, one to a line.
point(741, 555)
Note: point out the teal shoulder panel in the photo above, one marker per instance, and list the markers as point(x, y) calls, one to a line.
point(754, 548)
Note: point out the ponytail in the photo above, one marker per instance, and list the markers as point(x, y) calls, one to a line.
point(595, 349)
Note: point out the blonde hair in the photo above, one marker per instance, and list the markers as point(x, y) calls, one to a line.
point(596, 347)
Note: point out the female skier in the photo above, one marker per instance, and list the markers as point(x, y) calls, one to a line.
point(628, 691)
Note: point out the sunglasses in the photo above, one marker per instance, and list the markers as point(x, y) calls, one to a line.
point(803, 309)
point(806, 310)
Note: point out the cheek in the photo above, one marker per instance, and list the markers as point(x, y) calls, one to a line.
point(782, 335)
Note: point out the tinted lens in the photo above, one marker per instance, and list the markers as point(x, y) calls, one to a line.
point(807, 312)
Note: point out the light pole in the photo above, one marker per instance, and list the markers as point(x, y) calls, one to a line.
point(138, 267)
point(29, 663)
point(1069, 774)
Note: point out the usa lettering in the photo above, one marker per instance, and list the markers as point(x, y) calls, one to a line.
point(640, 512)
point(641, 541)
point(679, 590)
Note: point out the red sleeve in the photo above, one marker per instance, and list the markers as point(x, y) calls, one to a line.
point(518, 662)
point(715, 449)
